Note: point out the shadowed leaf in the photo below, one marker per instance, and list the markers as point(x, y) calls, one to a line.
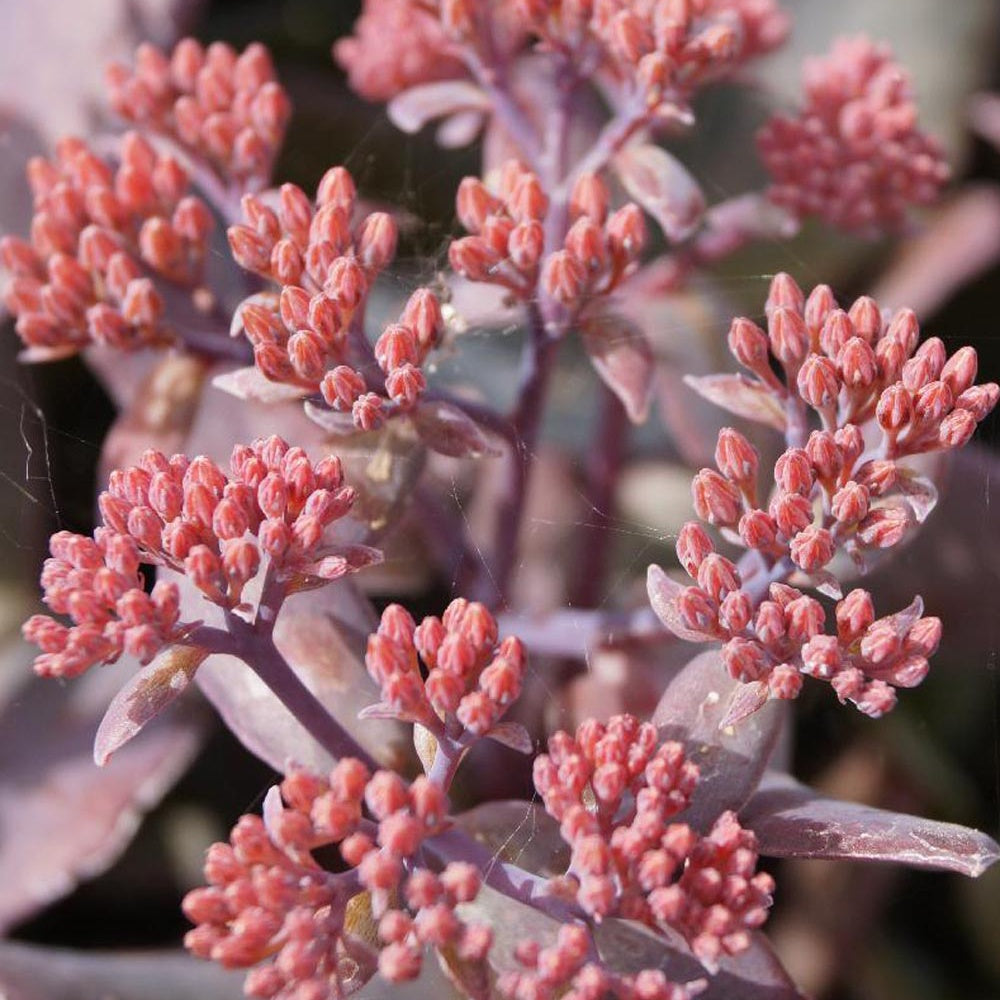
point(741, 396)
point(792, 821)
point(61, 818)
point(731, 759)
point(662, 185)
point(446, 429)
point(29, 972)
point(414, 108)
point(148, 693)
point(623, 358)
point(663, 593)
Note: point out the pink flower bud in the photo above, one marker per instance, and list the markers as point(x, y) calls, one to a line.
point(791, 512)
point(396, 346)
point(857, 364)
point(589, 198)
point(959, 372)
point(422, 315)
point(758, 530)
point(377, 242)
point(895, 407)
point(525, 245)
point(979, 400)
point(957, 429)
point(693, 545)
point(885, 526)
point(812, 548)
point(866, 318)
point(817, 382)
point(336, 187)
point(716, 500)
point(788, 335)
point(837, 330)
point(626, 232)
point(818, 306)
point(850, 503)
point(736, 458)
point(748, 344)
point(342, 387)
point(793, 472)
point(563, 278)
point(784, 293)
point(585, 242)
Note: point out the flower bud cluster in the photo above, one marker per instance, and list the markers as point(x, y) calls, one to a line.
point(269, 901)
point(860, 364)
point(305, 336)
point(318, 246)
point(863, 662)
point(224, 108)
point(668, 48)
point(508, 243)
point(190, 516)
point(396, 44)
point(568, 968)
point(471, 679)
point(853, 155)
point(80, 279)
point(614, 792)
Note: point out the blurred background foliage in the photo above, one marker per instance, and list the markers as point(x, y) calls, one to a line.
point(846, 931)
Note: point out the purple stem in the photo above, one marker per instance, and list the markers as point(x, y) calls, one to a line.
point(254, 645)
point(492, 583)
point(504, 877)
point(604, 465)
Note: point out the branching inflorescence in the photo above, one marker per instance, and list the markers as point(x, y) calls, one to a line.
point(651, 825)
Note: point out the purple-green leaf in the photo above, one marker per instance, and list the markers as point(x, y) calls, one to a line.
point(148, 693)
point(30, 972)
point(623, 358)
point(731, 758)
point(411, 110)
point(792, 821)
point(61, 818)
point(663, 593)
point(741, 396)
point(662, 185)
point(444, 428)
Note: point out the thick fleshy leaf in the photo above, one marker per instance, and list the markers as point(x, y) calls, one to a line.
point(662, 185)
point(444, 428)
point(63, 819)
point(732, 759)
point(30, 972)
point(459, 129)
point(414, 108)
point(792, 821)
point(251, 383)
point(628, 947)
point(148, 693)
point(741, 396)
point(335, 423)
point(756, 974)
point(513, 735)
point(745, 700)
point(623, 358)
point(663, 593)
point(521, 833)
point(920, 493)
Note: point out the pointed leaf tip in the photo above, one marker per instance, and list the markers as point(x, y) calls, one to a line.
point(792, 821)
point(145, 696)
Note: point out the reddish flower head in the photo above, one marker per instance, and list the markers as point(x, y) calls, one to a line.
point(271, 510)
point(853, 155)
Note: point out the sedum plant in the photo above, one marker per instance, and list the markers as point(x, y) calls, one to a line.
point(371, 857)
